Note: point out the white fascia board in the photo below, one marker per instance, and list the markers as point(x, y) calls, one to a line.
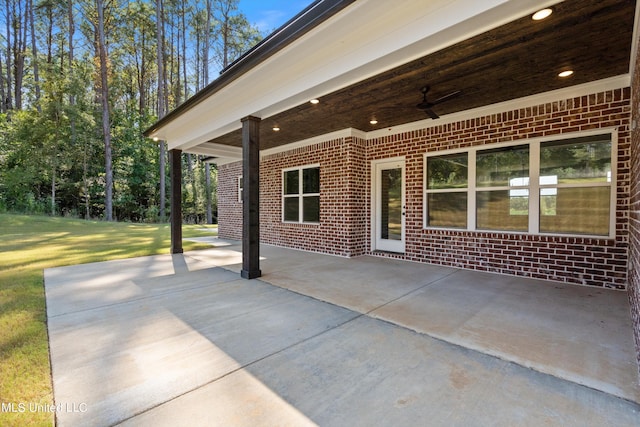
point(217, 150)
point(365, 39)
point(221, 161)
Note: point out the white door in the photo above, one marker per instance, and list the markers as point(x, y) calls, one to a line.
point(389, 205)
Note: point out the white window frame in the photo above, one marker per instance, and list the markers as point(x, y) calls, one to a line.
point(240, 188)
point(471, 158)
point(533, 186)
point(300, 195)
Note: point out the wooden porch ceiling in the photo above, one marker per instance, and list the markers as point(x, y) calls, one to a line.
point(591, 37)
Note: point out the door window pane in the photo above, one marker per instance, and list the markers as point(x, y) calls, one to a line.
point(391, 199)
point(575, 211)
point(496, 211)
point(447, 171)
point(500, 167)
point(447, 210)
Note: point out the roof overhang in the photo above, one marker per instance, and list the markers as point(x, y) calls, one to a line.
point(364, 39)
point(349, 42)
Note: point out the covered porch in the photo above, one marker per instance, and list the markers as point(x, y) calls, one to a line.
point(322, 340)
point(359, 68)
point(500, 74)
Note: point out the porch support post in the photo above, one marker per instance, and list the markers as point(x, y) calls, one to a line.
point(176, 201)
point(251, 198)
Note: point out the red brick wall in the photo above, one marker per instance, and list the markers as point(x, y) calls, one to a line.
point(342, 228)
point(634, 212)
point(596, 262)
point(345, 196)
point(229, 209)
point(342, 188)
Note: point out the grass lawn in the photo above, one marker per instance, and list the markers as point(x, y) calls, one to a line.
point(28, 245)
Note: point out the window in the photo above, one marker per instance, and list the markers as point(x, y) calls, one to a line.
point(502, 189)
point(240, 188)
point(301, 194)
point(447, 180)
point(575, 186)
point(558, 186)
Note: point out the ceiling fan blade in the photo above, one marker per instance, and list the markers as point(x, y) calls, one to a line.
point(447, 97)
point(431, 113)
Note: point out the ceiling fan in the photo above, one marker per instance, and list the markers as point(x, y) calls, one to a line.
point(427, 106)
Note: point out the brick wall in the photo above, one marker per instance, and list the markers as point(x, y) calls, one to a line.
point(345, 199)
point(342, 228)
point(634, 212)
point(229, 208)
point(588, 261)
point(342, 187)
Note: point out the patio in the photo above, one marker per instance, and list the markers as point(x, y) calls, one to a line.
point(182, 340)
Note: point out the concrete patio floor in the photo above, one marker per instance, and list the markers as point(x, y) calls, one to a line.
point(322, 340)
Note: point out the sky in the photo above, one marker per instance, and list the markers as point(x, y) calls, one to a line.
point(268, 15)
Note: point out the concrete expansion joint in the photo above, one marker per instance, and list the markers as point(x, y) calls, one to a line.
point(413, 291)
point(440, 338)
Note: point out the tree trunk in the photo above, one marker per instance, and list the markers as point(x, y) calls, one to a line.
point(141, 66)
point(106, 127)
point(198, 59)
point(207, 174)
point(161, 103)
point(34, 53)
point(184, 52)
point(53, 182)
point(3, 106)
point(207, 45)
point(19, 52)
point(9, 15)
point(194, 190)
point(49, 33)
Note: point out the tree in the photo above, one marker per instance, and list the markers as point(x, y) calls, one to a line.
point(234, 33)
point(106, 121)
point(161, 101)
point(79, 82)
point(34, 54)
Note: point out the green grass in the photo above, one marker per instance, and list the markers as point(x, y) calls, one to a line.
point(30, 244)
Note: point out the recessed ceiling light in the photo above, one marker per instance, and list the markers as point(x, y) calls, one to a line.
point(565, 73)
point(541, 14)
point(373, 121)
point(315, 101)
point(276, 128)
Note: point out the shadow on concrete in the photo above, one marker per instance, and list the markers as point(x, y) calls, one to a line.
point(181, 340)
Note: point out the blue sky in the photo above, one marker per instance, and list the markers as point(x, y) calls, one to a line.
point(268, 15)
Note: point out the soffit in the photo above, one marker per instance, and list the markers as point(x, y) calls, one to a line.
point(518, 59)
point(361, 41)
